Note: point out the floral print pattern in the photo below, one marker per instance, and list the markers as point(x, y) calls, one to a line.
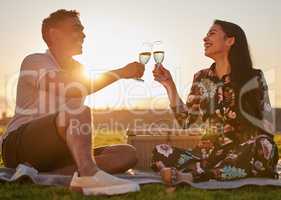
point(230, 147)
point(228, 173)
point(164, 149)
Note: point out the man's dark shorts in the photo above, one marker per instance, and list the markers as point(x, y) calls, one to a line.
point(38, 144)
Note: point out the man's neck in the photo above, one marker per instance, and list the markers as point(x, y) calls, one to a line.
point(62, 58)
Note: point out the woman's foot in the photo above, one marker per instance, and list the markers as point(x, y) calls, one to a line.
point(168, 175)
point(171, 176)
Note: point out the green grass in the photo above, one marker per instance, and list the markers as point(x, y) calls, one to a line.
point(148, 192)
point(103, 138)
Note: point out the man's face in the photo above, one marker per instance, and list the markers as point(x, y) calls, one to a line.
point(68, 36)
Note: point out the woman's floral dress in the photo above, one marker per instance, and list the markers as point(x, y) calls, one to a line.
point(231, 146)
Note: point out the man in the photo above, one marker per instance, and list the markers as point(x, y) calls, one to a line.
point(51, 128)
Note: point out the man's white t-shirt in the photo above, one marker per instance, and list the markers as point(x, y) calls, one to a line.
point(32, 102)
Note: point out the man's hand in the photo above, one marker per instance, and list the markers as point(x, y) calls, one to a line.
point(132, 70)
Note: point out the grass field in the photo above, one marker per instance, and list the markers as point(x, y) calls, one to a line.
point(148, 192)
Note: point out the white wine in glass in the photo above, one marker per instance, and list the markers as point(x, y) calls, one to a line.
point(144, 55)
point(158, 56)
point(158, 52)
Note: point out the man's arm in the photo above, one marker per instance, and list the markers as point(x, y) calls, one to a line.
point(78, 85)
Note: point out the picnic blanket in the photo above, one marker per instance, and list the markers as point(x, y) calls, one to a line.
point(25, 173)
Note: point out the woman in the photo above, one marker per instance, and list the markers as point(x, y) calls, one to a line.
point(230, 100)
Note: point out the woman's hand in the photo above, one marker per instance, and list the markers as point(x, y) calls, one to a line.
point(131, 70)
point(163, 76)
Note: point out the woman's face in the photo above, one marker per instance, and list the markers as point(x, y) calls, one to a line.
point(216, 43)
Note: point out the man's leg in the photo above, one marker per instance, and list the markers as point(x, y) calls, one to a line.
point(115, 158)
point(112, 159)
point(75, 129)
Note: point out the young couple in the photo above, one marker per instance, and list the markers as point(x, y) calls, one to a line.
point(51, 91)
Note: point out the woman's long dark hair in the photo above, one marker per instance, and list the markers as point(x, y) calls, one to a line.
point(241, 65)
point(239, 55)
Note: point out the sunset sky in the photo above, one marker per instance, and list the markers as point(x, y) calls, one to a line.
point(116, 29)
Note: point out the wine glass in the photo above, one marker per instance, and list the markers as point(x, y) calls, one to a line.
point(158, 52)
point(144, 55)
